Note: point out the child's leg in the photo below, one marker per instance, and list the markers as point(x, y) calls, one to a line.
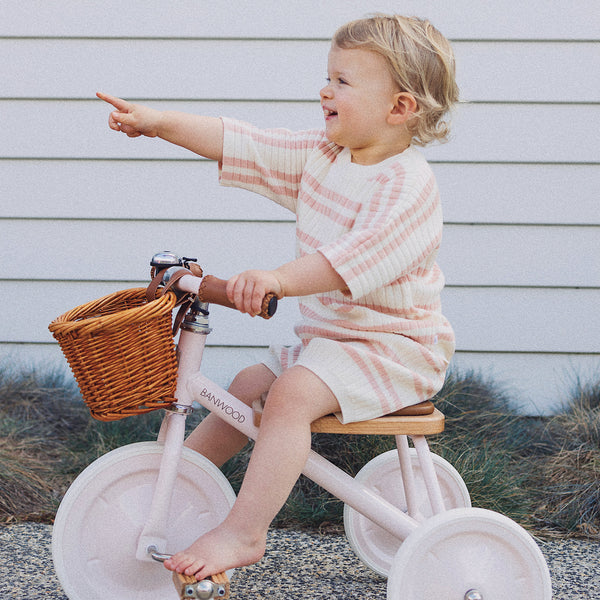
point(295, 400)
point(219, 441)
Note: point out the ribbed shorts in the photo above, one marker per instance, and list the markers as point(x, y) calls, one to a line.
point(366, 384)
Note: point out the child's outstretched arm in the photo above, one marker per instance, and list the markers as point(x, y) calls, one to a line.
point(310, 274)
point(202, 135)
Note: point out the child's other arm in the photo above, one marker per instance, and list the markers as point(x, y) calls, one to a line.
point(202, 135)
point(311, 274)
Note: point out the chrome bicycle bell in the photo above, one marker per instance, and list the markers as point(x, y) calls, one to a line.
point(165, 259)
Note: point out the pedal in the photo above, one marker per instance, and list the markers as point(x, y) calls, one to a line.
point(188, 588)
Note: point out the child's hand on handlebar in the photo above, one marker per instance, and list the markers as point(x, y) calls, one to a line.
point(248, 289)
point(132, 119)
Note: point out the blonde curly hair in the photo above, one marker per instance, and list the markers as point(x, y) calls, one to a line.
point(421, 62)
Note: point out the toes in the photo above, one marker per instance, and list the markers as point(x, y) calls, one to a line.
point(179, 562)
point(195, 568)
point(187, 564)
point(171, 563)
point(203, 573)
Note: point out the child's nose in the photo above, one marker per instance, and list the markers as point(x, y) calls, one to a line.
point(326, 91)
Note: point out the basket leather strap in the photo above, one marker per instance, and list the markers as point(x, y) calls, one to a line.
point(153, 285)
point(181, 314)
point(184, 302)
point(157, 279)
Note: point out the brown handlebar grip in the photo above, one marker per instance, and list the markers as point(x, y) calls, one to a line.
point(213, 290)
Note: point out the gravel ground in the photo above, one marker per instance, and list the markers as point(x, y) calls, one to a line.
point(298, 565)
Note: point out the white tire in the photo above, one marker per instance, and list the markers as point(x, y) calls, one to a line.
point(100, 519)
point(375, 546)
point(469, 553)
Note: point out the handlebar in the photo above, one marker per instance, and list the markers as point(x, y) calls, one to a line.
point(213, 291)
point(188, 277)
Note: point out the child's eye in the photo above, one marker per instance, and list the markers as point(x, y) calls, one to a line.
point(338, 80)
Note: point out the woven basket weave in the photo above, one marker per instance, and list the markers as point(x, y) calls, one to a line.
point(121, 351)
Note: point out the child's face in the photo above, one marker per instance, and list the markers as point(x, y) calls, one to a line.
point(357, 101)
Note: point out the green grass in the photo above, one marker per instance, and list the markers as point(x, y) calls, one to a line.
point(542, 472)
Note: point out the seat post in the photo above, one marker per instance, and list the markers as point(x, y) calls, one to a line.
point(431, 481)
point(408, 478)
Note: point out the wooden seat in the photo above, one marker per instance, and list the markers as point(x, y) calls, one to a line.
point(419, 419)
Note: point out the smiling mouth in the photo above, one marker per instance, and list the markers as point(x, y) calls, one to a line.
point(329, 113)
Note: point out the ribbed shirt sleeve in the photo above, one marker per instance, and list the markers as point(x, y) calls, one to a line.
point(269, 162)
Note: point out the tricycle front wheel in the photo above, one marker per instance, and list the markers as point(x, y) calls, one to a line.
point(102, 515)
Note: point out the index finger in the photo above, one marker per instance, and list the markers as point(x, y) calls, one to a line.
point(118, 103)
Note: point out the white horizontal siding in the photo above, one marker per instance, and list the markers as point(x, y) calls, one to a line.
point(29, 318)
point(522, 255)
point(82, 209)
point(470, 19)
point(95, 250)
point(217, 362)
point(537, 382)
point(471, 255)
point(524, 319)
point(76, 68)
point(482, 132)
point(157, 190)
point(485, 319)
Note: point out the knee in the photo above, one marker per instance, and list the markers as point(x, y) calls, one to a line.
point(251, 383)
point(299, 394)
point(286, 397)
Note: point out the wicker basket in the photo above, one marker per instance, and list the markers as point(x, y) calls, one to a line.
point(121, 351)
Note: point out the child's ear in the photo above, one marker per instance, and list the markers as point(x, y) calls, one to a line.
point(405, 107)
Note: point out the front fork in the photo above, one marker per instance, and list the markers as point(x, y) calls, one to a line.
point(192, 341)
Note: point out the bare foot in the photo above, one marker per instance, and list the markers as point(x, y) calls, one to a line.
point(215, 552)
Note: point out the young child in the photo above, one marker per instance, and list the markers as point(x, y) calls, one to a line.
point(369, 224)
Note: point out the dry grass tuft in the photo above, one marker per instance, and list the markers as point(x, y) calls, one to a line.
point(567, 476)
point(26, 478)
point(542, 472)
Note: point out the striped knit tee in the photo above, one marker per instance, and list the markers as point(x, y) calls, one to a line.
point(383, 343)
